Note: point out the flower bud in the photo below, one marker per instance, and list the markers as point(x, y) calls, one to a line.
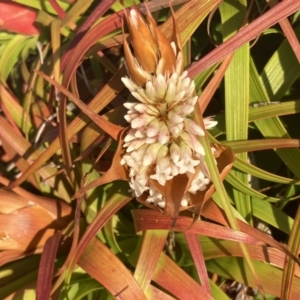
point(143, 43)
point(153, 53)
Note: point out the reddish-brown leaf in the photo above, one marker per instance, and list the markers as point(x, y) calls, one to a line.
point(46, 268)
point(145, 219)
point(197, 254)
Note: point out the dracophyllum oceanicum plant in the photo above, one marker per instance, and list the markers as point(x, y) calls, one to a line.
point(162, 141)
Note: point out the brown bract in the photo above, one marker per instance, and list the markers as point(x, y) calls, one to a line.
point(153, 53)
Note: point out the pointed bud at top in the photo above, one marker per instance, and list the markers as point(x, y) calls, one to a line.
point(143, 43)
point(153, 53)
point(176, 39)
point(138, 75)
point(167, 62)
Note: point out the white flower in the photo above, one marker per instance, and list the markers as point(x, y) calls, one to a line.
point(199, 183)
point(163, 171)
point(155, 197)
point(185, 200)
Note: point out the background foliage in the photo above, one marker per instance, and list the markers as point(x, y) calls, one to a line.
point(61, 93)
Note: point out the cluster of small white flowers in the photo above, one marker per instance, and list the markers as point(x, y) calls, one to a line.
point(163, 139)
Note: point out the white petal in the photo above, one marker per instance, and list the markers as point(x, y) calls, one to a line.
point(162, 204)
point(173, 45)
point(138, 96)
point(209, 122)
point(170, 93)
point(192, 101)
point(173, 79)
point(151, 154)
point(150, 91)
point(174, 117)
point(179, 96)
point(164, 134)
point(193, 142)
point(193, 127)
point(161, 157)
point(175, 152)
point(129, 84)
point(139, 134)
point(130, 135)
point(186, 110)
point(135, 145)
point(153, 128)
point(146, 108)
point(130, 105)
point(160, 86)
point(179, 62)
point(141, 121)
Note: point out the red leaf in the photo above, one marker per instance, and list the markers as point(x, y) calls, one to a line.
point(17, 18)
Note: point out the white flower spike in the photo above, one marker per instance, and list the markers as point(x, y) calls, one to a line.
point(163, 140)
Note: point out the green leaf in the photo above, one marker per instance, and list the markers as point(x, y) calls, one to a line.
point(44, 5)
point(272, 215)
point(11, 54)
point(273, 127)
point(236, 269)
point(237, 94)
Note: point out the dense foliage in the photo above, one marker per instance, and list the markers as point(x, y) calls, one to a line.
point(189, 190)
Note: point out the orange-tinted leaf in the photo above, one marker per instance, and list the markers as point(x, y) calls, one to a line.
point(112, 129)
point(29, 226)
point(152, 247)
point(155, 293)
point(96, 104)
point(100, 263)
point(54, 207)
point(166, 52)
point(173, 192)
point(7, 256)
point(40, 112)
point(172, 278)
point(213, 84)
point(116, 172)
point(96, 13)
point(10, 202)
